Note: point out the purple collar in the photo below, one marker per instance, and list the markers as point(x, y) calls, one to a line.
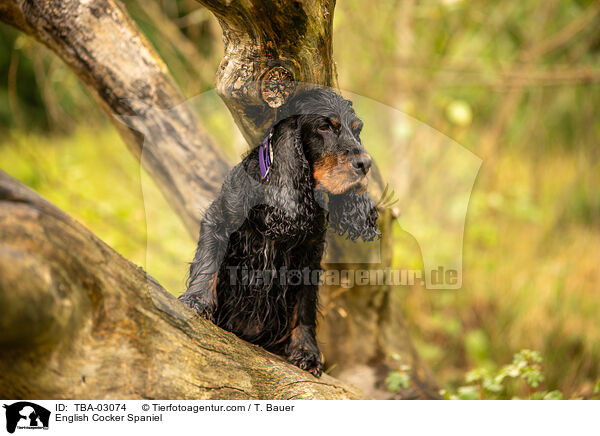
point(265, 158)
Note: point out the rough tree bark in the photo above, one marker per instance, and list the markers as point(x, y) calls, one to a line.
point(273, 49)
point(269, 47)
point(80, 321)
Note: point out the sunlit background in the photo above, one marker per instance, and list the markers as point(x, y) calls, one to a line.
point(516, 83)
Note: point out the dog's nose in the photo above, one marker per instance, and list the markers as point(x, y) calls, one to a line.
point(362, 162)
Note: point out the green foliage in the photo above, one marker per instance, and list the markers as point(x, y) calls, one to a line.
point(483, 383)
point(398, 379)
point(526, 365)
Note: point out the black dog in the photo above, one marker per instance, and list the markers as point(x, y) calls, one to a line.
point(270, 221)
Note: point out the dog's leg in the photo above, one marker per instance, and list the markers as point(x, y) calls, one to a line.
point(301, 349)
point(223, 217)
point(201, 294)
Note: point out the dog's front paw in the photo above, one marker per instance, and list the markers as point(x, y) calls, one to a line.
point(307, 359)
point(202, 307)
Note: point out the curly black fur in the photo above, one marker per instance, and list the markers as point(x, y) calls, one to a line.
point(254, 233)
point(353, 215)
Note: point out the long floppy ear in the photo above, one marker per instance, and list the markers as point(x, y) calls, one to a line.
point(288, 194)
point(289, 167)
point(354, 215)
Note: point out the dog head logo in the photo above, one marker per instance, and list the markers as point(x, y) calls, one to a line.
point(26, 415)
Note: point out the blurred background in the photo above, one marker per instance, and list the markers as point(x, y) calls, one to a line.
point(516, 83)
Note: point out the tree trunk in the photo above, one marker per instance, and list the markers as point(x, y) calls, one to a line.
point(273, 50)
point(87, 323)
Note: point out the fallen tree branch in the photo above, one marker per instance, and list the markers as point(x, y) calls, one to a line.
point(87, 323)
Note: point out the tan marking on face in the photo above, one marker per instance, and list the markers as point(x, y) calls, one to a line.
point(336, 175)
point(355, 125)
point(335, 122)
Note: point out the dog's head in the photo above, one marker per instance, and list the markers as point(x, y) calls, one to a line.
point(328, 130)
point(330, 133)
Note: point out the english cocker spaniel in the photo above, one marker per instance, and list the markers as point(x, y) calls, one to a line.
point(257, 266)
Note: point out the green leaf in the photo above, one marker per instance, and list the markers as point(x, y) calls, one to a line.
point(468, 393)
point(553, 395)
point(533, 376)
point(476, 375)
point(398, 380)
point(491, 386)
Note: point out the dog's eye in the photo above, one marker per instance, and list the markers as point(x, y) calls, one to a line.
point(324, 127)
